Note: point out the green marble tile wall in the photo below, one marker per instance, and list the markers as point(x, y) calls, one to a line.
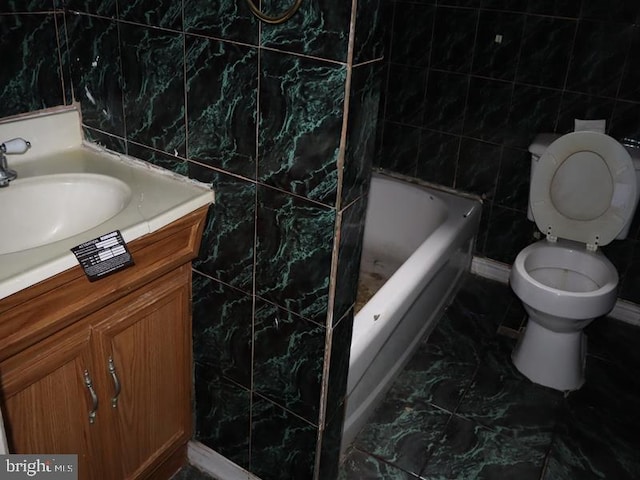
point(469, 83)
point(281, 120)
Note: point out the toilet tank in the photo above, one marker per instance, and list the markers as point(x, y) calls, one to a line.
point(540, 144)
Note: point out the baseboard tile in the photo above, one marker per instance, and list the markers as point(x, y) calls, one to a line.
point(627, 312)
point(623, 310)
point(491, 269)
point(214, 464)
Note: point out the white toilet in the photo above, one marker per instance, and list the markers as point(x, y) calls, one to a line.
point(583, 194)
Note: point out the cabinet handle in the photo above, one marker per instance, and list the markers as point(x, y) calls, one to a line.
point(94, 397)
point(116, 383)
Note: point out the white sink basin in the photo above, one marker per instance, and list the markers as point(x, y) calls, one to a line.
point(41, 210)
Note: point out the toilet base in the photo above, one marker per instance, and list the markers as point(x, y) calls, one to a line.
point(552, 359)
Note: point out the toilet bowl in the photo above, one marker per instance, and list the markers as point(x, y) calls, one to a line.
point(582, 195)
point(563, 288)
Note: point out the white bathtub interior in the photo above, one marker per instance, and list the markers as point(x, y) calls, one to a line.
point(417, 243)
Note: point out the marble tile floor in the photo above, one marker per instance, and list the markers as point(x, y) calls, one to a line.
point(461, 411)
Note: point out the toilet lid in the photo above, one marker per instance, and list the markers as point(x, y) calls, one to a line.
point(583, 188)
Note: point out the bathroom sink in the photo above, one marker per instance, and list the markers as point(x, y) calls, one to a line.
point(70, 191)
point(45, 209)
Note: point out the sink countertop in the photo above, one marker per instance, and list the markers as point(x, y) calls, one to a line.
point(158, 197)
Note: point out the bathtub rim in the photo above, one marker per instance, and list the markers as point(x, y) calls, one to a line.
point(464, 217)
point(355, 415)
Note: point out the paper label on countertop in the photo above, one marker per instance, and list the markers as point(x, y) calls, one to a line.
point(103, 255)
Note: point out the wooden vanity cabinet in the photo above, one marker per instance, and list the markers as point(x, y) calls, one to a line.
point(114, 384)
point(146, 342)
point(45, 400)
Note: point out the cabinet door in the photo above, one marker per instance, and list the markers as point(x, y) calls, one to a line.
point(147, 337)
point(47, 404)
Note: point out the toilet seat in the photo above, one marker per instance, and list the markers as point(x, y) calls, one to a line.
point(583, 189)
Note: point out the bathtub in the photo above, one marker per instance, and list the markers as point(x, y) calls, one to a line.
point(418, 242)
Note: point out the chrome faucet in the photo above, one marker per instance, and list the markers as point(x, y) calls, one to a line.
point(15, 145)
